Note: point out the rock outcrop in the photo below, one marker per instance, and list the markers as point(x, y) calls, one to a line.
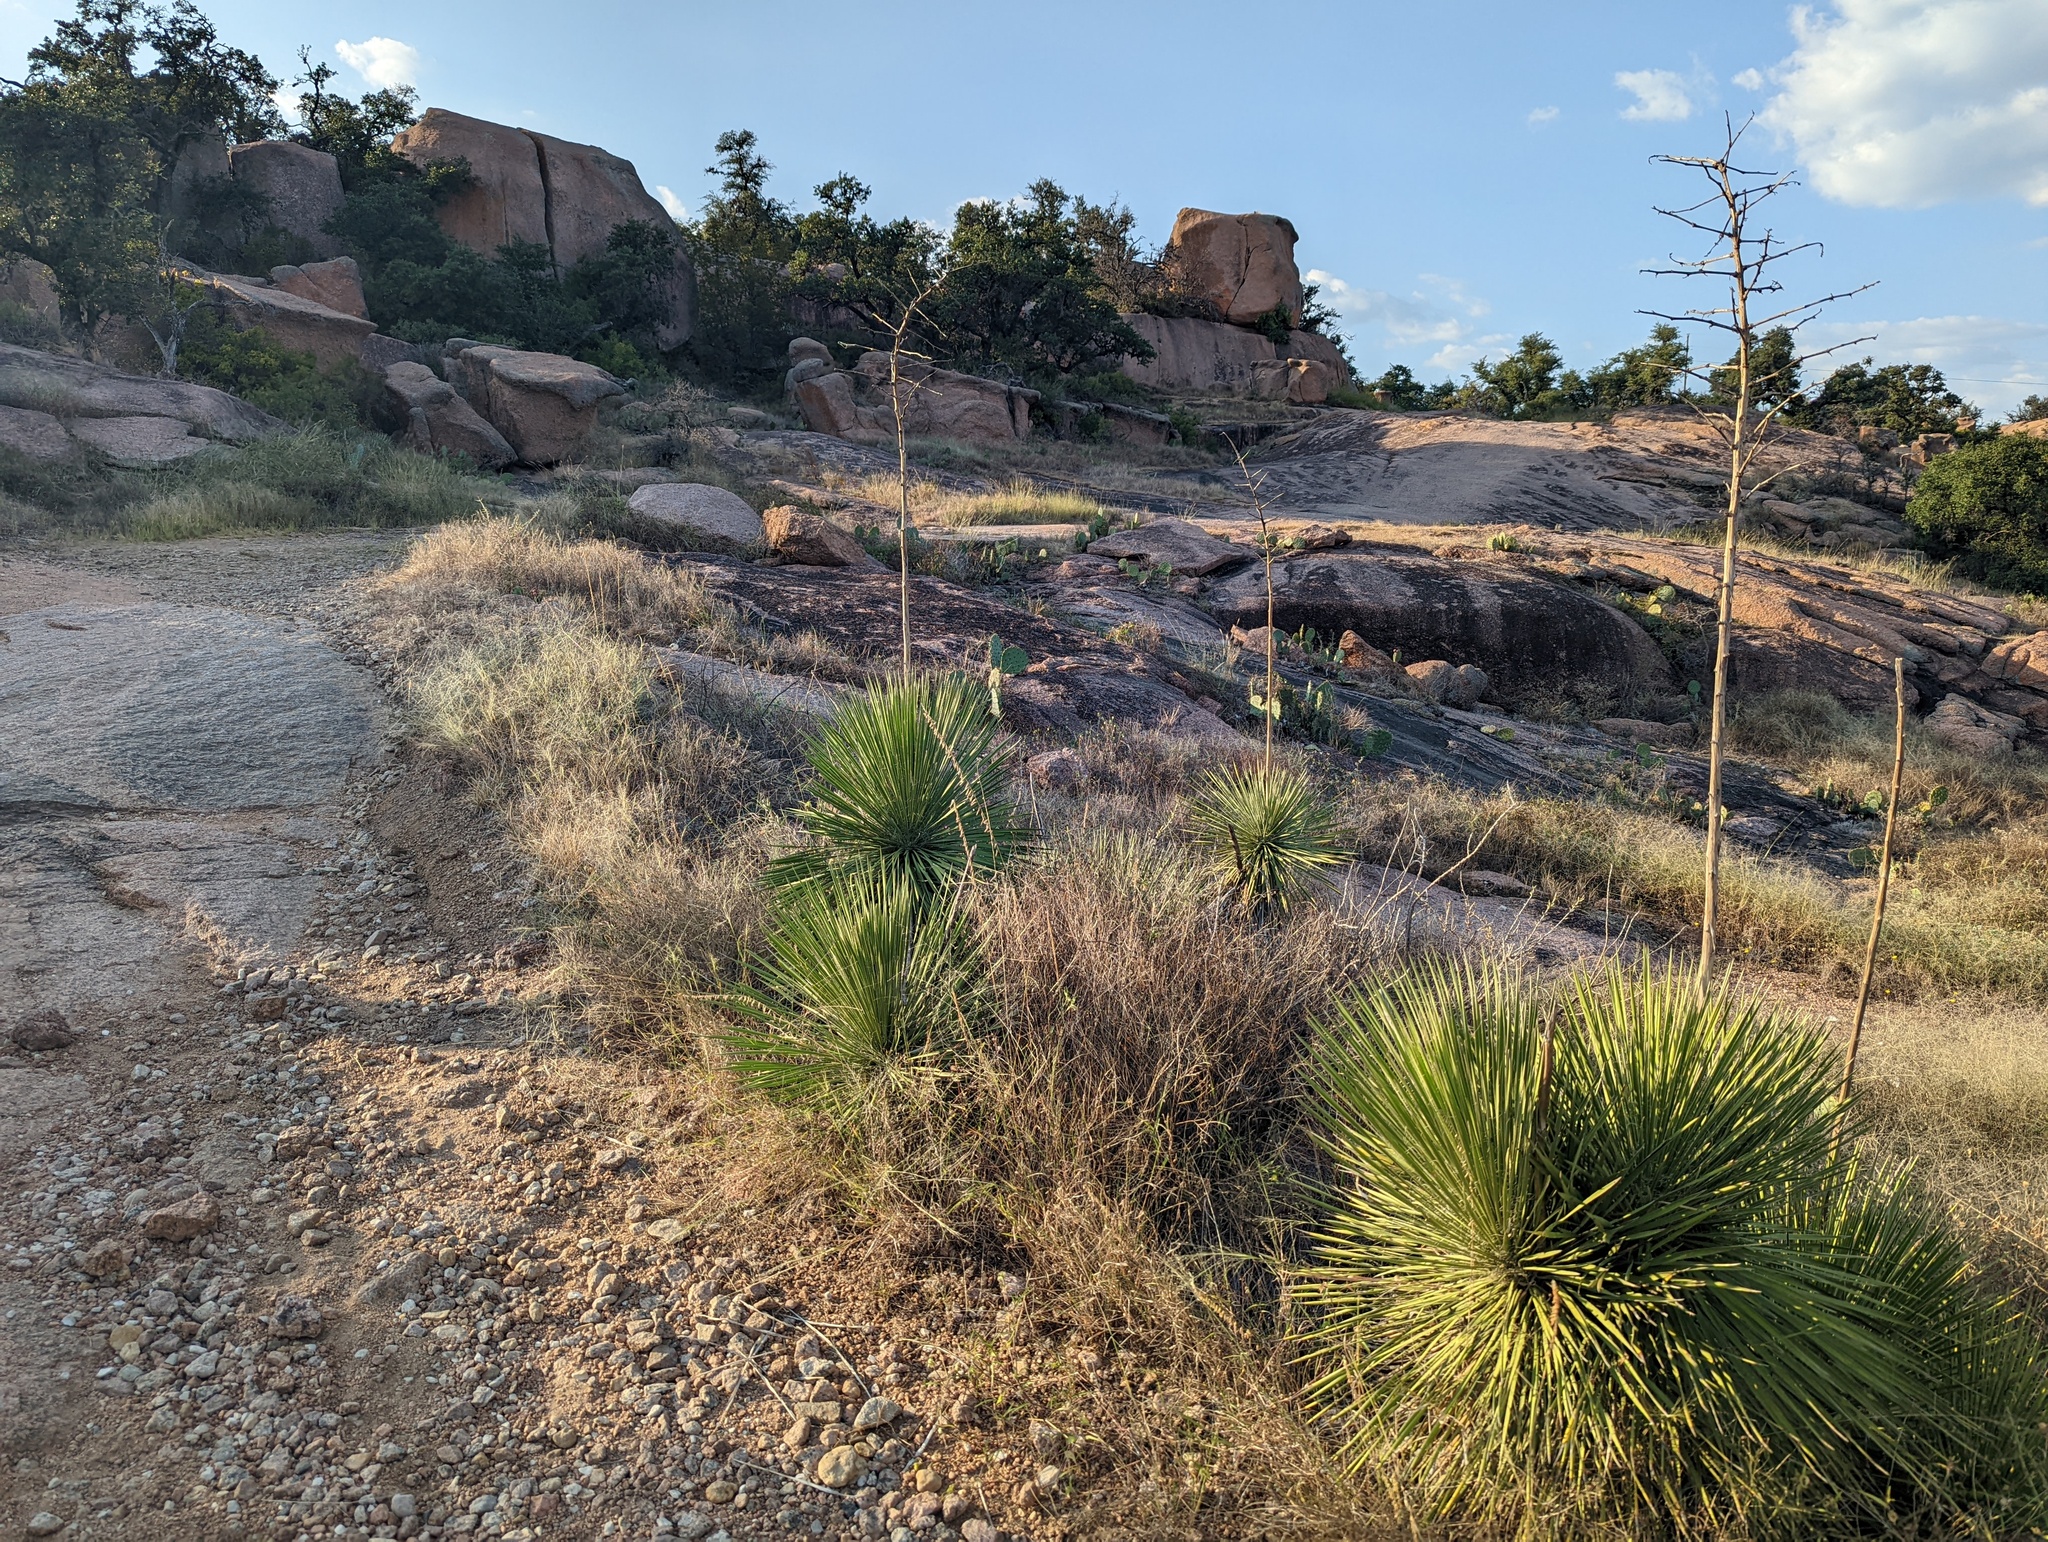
point(302, 187)
point(699, 513)
point(1191, 354)
point(288, 319)
point(543, 403)
point(1242, 264)
point(937, 404)
point(74, 391)
point(336, 284)
point(1178, 544)
point(549, 192)
point(1530, 634)
point(438, 421)
point(811, 540)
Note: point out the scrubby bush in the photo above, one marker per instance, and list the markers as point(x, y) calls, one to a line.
point(910, 787)
point(1988, 503)
point(864, 991)
point(1604, 1257)
point(289, 384)
point(1269, 835)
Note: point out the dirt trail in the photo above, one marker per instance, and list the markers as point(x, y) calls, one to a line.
point(306, 1226)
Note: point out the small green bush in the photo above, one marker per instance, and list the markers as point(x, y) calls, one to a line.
point(1626, 1271)
point(911, 787)
point(1268, 834)
point(862, 990)
point(285, 383)
point(1988, 502)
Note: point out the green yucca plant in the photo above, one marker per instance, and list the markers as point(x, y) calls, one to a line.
point(911, 788)
point(1266, 831)
point(863, 988)
point(1601, 1256)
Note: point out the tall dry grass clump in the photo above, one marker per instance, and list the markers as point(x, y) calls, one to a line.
point(633, 814)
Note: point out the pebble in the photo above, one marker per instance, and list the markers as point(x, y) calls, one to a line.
point(842, 1467)
point(44, 1524)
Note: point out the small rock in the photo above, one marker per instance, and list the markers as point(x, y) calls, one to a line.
point(1047, 1441)
point(798, 1435)
point(563, 1437)
point(842, 1467)
point(296, 1318)
point(691, 1524)
point(876, 1412)
point(979, 1530)
point(190, 1217)
point(44, 1524)
point(955, 1508)
point(404, 1506)
point(721, 1491)
point(1011, 1285)
point(1060, 770)
point(1361, 657)
point(107, 1260)
point(43, 1030)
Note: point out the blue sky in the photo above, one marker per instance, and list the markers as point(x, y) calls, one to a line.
point(1461, 172)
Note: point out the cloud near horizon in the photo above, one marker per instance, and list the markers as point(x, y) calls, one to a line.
point(1440, 314)
point(382, 61)
point(1900, 104)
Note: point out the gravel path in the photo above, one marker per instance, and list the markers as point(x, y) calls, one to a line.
point(308, 1224)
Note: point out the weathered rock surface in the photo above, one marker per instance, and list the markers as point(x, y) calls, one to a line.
point(1302, 381)
point(34, 434)
point(543, 403)
point(92, 697)
point(943, 403)
point(1193, 354)
point(1243, 264)
point(699, 511)
point(290, 320)
point(336, 284)
point(801, 536)
point(1965, 725)
point(1178, 544)
point(139, 442)
point(303, 187)
point(533, 187)
point(72, 389)
point(1643, 470)
point(439, 421)
point(32, 286)
point(1529, 633)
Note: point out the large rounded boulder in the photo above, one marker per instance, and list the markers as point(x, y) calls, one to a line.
point(1533, 635)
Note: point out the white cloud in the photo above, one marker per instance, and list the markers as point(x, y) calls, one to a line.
point(1661, 96)
point(382, 61)
point(1543, 115)
point(1439, 315)
point(1987, 359)
point(286, 100)
point(677, 209)
point(1906, 103)
point(1749, 80)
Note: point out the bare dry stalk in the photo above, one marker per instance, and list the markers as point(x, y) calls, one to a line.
point(1745, 261)
point(1255, 488)
point(1884, 879)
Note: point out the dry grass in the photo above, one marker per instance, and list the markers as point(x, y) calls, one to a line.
point(1959, 1087)
point(1018, 503)
point(1637, 867)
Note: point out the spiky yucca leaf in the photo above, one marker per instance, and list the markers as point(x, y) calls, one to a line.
point(910, 788)
point(862, 989)
point(1266, 831)
point(1649, 1284)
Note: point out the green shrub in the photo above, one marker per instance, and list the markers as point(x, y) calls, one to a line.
point(911, 788)
point(285, 383)
point(1268, 834)
point(1989, 502)
point(862, 990)
point(1639, 1279)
